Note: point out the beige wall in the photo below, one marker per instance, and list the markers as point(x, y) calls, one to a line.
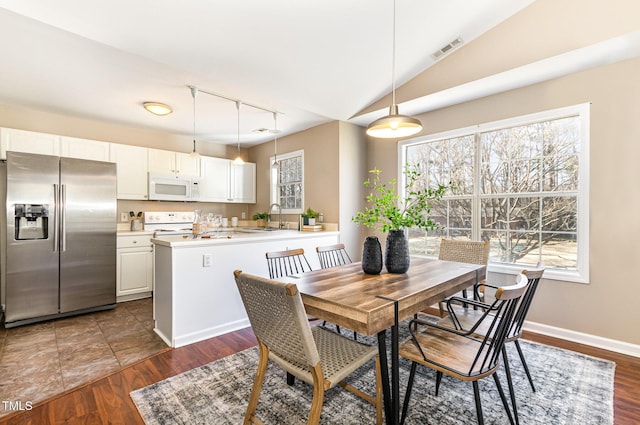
point(605, 307)
point(320, 145)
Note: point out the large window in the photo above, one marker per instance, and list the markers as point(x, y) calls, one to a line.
point(287, 182)
point(521, 184)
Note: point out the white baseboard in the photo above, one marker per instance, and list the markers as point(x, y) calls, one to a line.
point(583, 338)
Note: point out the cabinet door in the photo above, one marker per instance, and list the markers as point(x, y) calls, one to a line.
point(72, 147)
point(132, 171)
point(28, 142)
point(243, 182)
point(187, 164)
point(214, 179)
point(161, 161)
point(134, 271)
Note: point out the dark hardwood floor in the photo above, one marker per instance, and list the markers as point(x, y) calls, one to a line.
point(106, 400)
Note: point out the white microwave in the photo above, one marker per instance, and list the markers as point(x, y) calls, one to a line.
point(173, 187)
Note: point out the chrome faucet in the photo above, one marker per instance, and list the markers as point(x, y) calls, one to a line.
point(280, 224)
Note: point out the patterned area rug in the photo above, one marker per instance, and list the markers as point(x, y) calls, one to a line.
point(571, 389)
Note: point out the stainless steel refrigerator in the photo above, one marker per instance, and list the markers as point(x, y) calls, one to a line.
point(59, 237)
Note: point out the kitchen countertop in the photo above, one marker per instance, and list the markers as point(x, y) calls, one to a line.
point(241, 235)
point(128, 232)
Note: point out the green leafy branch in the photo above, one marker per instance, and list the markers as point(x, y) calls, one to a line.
point(387, 210)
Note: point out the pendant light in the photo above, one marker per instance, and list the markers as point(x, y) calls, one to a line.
point(276, 163)
point(238, 160)
point(194, 93)
point(394, 125)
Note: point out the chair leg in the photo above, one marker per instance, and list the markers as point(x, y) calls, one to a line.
point(505, 403)
point(438, 381)
point(355, 336)
point(524, 364)
point(476, 396)
point(257, 384)
point(318, 396)
point(291, 380)
point(512, 393)
point(379, 401)
point(407, 394)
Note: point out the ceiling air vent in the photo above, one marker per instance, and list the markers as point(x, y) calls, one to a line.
point(447, 49)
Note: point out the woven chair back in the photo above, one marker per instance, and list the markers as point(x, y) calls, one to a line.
point(464, 251)
point(287, 263)
point(332, 256)
point(277, 316)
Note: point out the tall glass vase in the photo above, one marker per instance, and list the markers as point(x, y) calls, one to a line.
point(396, 257)
point(372, 255)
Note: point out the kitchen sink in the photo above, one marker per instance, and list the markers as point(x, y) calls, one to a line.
point(260, 229)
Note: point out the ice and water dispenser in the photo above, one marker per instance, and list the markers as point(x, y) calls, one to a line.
point(31, 221)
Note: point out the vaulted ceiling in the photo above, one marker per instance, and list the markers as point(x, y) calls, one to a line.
point(313, 61)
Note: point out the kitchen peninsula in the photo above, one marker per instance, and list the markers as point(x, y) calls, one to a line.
point(195, 295)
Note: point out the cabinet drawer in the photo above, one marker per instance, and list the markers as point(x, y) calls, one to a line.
point(134, 241)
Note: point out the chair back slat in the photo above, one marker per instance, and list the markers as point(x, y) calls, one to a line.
point(332, 256)
point(287, 263)
point(533, 276)
point(278, 319)
point(500, 314)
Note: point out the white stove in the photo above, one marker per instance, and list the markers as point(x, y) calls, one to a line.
point(166, 223)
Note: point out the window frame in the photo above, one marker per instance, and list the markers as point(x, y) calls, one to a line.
point(273, 181)
point(581, 274)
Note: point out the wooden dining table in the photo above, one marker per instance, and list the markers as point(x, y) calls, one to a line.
point(372, 304)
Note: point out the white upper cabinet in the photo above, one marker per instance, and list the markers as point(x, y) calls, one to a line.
point(214, 179)
point(29, 142)
point(72, 147)
point(132, 171)
point(168, 162)
point(223, 181)
point(243, 183)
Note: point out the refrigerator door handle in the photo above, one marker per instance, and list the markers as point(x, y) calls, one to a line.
point(56, 203)
point(63, 217)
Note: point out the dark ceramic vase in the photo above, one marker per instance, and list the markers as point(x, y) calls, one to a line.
point(372, 255)
point(396, 257)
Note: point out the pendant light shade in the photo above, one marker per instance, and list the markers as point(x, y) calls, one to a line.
point(394, 125)
point(238, 160)
point(194, 93)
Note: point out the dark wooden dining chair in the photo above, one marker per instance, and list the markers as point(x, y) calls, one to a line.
point(333, 255)
point(461, 354)
point(465, 319)
point(287, 263)
point(314, 355)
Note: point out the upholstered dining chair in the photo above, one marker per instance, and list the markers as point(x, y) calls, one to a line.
point(333, 255)
point(286, 263)
point(464, 251)
point(464, 319)
point(315, 355)
point(461, 354)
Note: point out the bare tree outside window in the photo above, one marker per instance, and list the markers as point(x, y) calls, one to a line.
point(515, 186)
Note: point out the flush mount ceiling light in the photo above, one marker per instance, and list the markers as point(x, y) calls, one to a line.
point(394, 125)
point(194, 93)
point(238, 159)
point(157, 108)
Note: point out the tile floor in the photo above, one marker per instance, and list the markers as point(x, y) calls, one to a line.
point(43, 359)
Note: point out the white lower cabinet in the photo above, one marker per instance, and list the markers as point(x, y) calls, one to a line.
point(134, 265)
